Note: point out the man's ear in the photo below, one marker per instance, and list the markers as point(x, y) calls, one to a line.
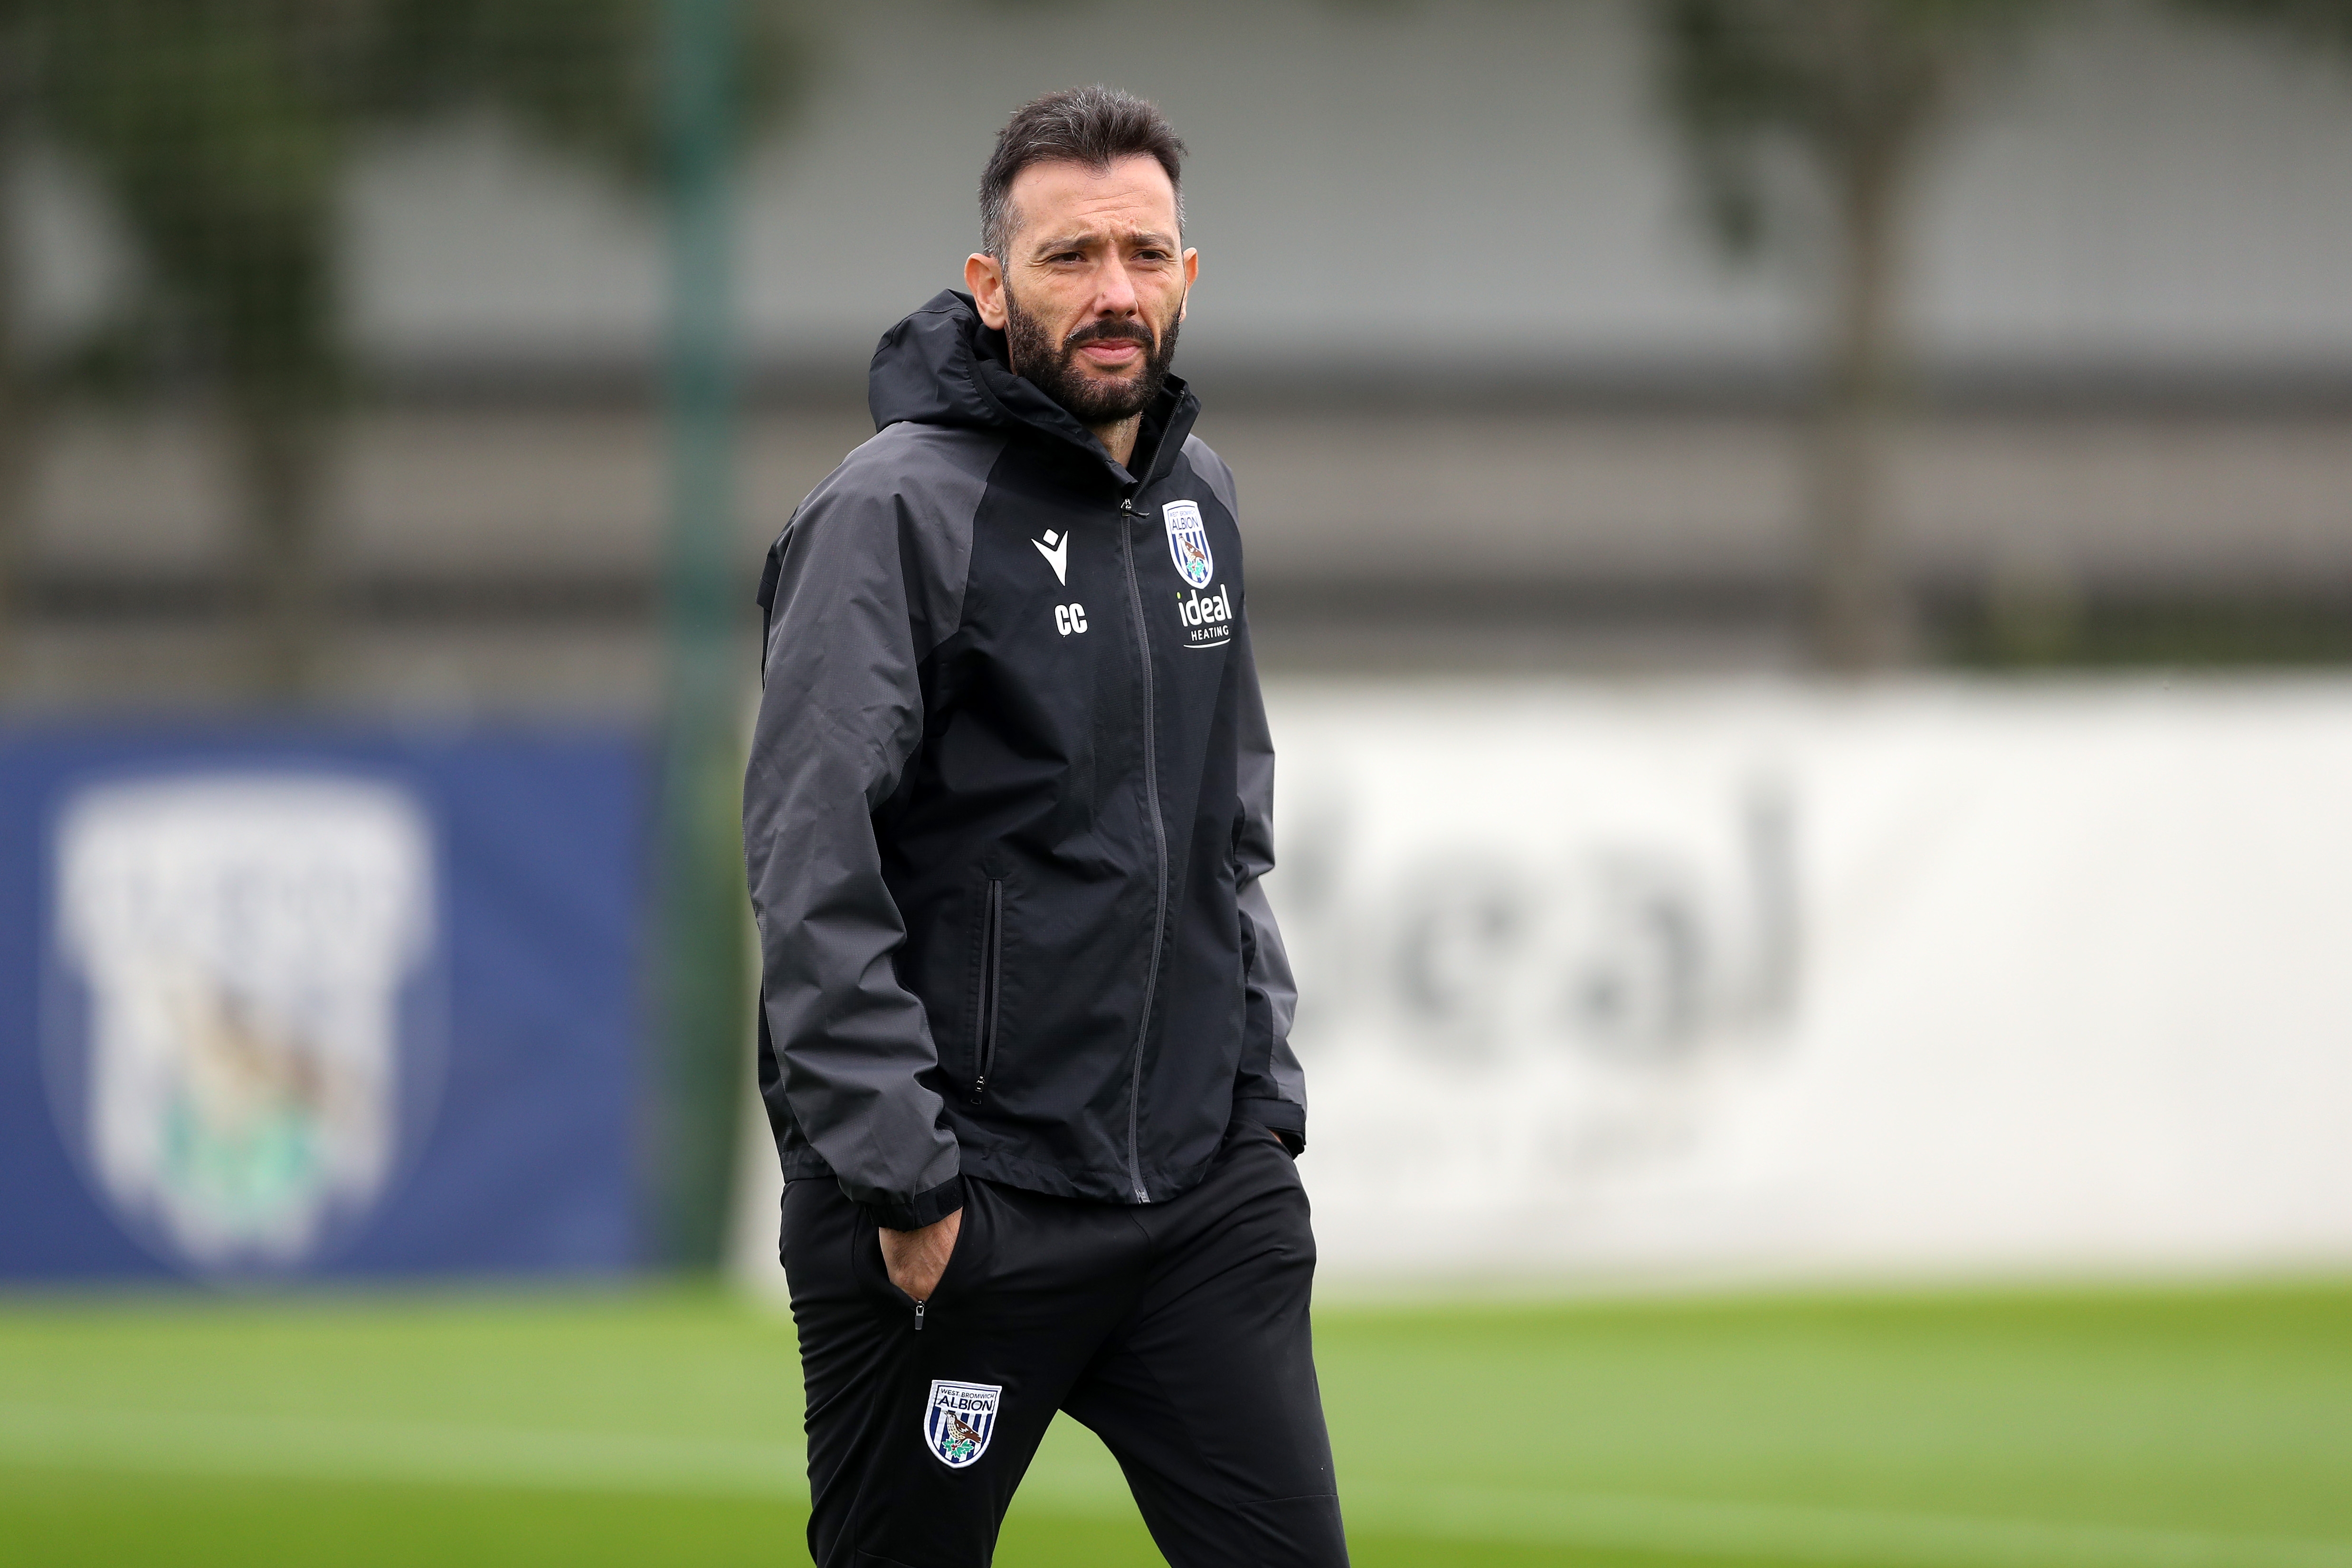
point(1191, 276)
point(985, 278)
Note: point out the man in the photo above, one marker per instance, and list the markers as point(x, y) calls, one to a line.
point(1025, 1008)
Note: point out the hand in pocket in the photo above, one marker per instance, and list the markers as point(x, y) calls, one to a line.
point(915, 1258)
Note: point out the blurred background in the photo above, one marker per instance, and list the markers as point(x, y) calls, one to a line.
point(1802, 551)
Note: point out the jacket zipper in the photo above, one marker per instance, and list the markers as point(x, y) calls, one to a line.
point(919, 1317)
point(992, 982)
point(1128, 514)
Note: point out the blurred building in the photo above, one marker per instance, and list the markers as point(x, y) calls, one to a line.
point(1494, 401)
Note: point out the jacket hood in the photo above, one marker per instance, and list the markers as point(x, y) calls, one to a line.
point(943, 365)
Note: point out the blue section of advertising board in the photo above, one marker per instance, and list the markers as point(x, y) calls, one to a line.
point(281, 1003)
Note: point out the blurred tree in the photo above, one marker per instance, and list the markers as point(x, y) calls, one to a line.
point(2324, 22)
point(221, 131)
point(18, 408)
point(1810, 119)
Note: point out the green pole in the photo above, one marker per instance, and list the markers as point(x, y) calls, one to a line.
point(705, 982)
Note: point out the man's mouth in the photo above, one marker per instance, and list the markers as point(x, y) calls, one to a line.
point(1115, 350)
point(1111, 351)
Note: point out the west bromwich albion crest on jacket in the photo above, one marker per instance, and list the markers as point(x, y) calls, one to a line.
point(1188, 542)
point(959, 1419)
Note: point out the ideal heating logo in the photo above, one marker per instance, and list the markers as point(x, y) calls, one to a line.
point(1208, 617)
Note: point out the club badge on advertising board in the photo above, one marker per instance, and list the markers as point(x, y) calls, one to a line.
point(235, 1021)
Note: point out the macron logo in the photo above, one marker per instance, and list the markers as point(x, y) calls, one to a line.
point(1056, 551)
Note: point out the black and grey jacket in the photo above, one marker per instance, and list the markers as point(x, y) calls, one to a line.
point(1007, 804)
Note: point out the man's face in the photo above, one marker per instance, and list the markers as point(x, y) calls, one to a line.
point(1093, 286)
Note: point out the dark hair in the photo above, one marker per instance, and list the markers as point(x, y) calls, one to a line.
point(1096, 126)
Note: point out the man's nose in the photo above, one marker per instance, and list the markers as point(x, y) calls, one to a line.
point(1115, 290)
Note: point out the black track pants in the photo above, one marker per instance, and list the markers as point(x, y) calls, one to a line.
point(1177, 1331)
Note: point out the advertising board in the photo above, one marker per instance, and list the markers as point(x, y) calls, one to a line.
point(275, 1005)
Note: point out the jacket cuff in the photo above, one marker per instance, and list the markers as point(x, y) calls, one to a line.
point(1286, 1119)
point(924, 1208)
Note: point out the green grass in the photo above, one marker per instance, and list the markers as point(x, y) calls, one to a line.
point(2139, 1429)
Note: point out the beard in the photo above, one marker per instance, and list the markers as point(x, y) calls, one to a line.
point(1092, 400)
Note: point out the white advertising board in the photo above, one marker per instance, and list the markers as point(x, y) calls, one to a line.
point(1721, 982)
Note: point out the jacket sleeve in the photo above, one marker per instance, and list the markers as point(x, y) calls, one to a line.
point(1270, 1087)
point(849, 621)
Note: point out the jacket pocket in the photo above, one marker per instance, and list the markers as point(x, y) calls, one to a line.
point(991, 977)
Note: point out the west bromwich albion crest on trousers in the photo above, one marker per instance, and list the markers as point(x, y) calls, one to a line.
point(959, 1419)
point(1188, 541)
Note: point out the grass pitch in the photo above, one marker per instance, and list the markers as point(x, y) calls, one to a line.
point(2118, 1430)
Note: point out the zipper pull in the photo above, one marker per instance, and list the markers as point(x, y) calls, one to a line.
point(980, 1089)
point(919, 1317)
